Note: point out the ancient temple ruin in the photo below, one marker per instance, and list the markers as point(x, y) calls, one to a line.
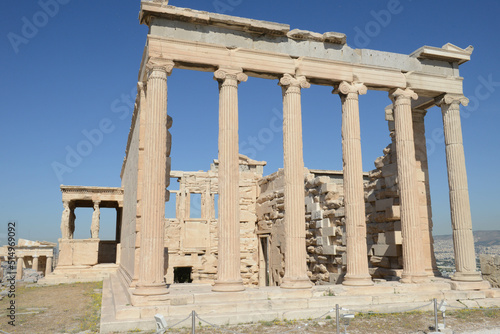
point(294, 228)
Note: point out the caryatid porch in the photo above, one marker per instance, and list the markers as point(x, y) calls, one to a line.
point(189, 39)
point(92, 250)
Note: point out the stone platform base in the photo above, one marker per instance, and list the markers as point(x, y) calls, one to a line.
point(269, 303)
point(73, 274)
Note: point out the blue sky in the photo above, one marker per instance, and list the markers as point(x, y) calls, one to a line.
point(72, 71)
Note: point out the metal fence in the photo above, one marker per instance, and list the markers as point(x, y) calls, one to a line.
point(343, 318)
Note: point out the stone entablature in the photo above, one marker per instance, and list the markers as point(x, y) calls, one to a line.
point(266, 49)
point(86, 196)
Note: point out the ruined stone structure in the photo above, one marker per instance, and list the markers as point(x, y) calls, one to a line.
point(192, 242)
point(36, 255)
point(490, 268)
point(90, 258)
point(239, 48)
point(295, 228)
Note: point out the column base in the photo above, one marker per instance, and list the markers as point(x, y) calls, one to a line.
point(228, 286)
point(299, 283)
point(414, 278)
point(474, 276)
point(151, 289)
point(353, 280)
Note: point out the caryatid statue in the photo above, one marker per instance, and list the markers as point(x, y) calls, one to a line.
point(94, 228)
point(65, 230)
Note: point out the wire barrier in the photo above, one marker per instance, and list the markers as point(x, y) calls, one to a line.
point(343, 316)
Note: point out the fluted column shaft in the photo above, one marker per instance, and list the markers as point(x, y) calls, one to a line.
point(35, 263)
point(354, 198)
point(48, 265)
point(413, 265)
point(295, 231)
point(151, 268)
point(463, 239)
point(19, 268)
point(228, 267)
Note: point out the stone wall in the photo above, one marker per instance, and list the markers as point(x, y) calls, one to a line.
point(324, 224)
point(383, 227)
point(270, 223)
point(130, 180)
point(193, 242)
point(490, 268)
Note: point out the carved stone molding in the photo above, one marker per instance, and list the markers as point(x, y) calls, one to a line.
point(230, 75)
point(452, 99)
point(402, 96)
point(346, 88)
point(298, 82)
point(160, 64)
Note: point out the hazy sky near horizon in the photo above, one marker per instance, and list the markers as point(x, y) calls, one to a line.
point(70, 67)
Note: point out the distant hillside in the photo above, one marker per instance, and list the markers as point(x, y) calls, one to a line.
point(481, 238)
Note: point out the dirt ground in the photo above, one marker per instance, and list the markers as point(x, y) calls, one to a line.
point(75, 308)
point(65, 308)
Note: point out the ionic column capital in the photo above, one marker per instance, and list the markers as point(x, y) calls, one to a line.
point(346, 88)
point(160, 64)
point(294, 81)
point(452, 99)
point(232, 76)
point(402, 96)
point(418, 115)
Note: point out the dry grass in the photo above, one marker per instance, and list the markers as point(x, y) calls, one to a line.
point(65, 308)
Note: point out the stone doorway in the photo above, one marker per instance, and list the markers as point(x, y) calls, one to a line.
point(264, 272)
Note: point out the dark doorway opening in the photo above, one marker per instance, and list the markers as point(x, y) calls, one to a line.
point(182, 274)
point(264, 246)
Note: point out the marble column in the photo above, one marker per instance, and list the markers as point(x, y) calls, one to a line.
point(354, 197)
point(35, 263)
point(65, 220)
point(94, 227)
point(295, 230)
point(19, 268)
point(424, 192)
point(228, 267)
point(48, 266)
point(463, 239)
point(413, 265)
point(152, 233)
